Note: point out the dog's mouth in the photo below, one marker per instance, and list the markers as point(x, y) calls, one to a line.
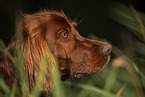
point(86, 70)
point(78, 75)
point(81, 71)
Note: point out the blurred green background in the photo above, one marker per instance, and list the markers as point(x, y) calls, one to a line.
point(120, 22)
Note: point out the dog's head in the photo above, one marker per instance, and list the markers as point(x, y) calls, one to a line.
point(76, 55)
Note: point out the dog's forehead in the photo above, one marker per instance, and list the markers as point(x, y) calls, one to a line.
point(62, 20)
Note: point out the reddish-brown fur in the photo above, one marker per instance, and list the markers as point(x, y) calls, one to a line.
point(55, 31)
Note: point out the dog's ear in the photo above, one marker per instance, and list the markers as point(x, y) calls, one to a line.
point(35, 46)
point(30, 29)
point(31, 26)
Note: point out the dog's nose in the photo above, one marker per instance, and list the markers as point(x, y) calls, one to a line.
point(106, 49)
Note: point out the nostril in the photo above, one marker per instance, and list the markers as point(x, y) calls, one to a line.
point(106, 49)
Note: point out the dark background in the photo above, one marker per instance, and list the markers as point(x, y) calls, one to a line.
point(92, 15)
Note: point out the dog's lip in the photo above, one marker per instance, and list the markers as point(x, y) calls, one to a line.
point(78, 75)
point(107, 61)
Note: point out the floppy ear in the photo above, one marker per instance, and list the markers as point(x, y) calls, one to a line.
point(34, 47)
point(31, 26)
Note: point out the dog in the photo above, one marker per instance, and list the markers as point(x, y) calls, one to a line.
point(54, 31)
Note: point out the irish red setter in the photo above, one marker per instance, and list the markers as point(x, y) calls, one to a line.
point(54, 31)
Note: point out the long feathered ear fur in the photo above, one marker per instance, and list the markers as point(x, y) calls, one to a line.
point(35, 47)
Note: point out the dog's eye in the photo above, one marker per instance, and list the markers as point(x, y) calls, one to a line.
point(65, 35)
